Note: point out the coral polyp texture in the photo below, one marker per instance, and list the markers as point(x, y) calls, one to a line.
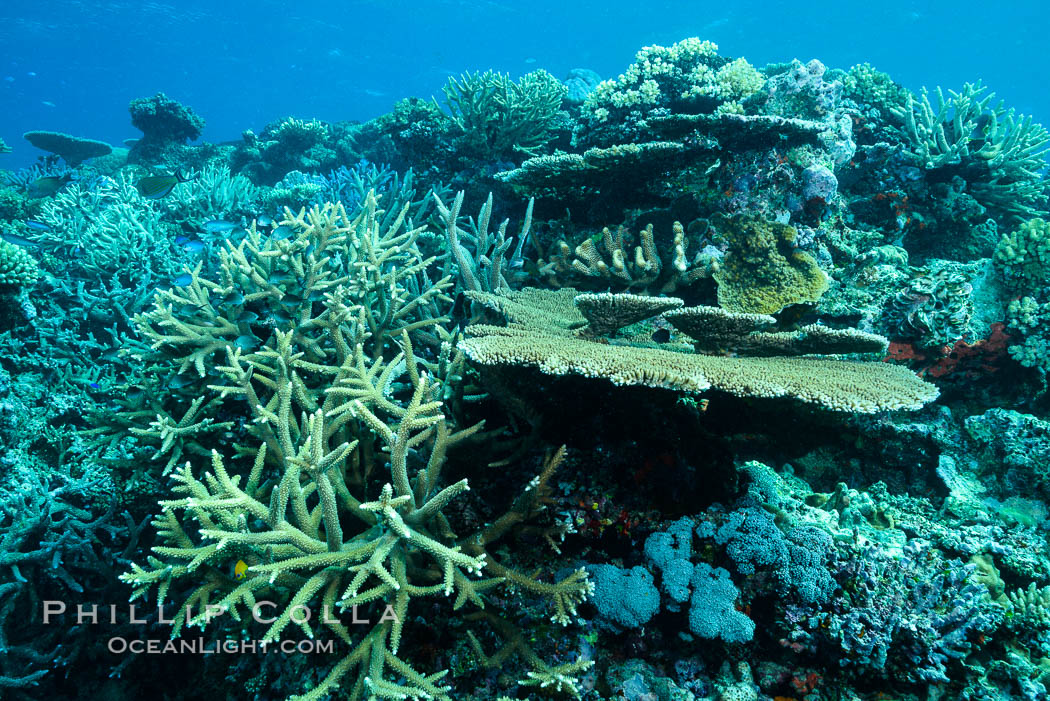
point(699, 380)
point(839, 385)
point(17, 267)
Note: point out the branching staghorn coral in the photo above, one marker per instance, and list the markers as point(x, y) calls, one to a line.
point(334, 415)
point(309, 538)
point(335, 283)
point(1002, 153)
point(486, 267)
point(106, 231)
point(213, 193)
point(498, 117)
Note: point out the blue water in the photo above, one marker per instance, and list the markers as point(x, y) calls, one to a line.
point(73, 66)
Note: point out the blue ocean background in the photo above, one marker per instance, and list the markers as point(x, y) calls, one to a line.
point(73, 66)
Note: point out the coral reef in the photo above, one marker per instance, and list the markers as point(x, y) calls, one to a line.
point(708, 381)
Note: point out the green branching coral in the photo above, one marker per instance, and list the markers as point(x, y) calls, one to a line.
point(498, 117)
point(110, 236)
point(999, 152)
point(762, 272)
point(17, 268)
point(213, 193)
point(484, 259)
point(307, 538)
point(326, 351)
point(1023, 255)
point(687, 77)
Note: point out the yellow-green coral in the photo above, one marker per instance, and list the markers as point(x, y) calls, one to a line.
point(1023, 255)
point(339, 439)
point(17, 267)
point(762, 272)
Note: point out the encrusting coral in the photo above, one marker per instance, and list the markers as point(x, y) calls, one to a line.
point(762, 272)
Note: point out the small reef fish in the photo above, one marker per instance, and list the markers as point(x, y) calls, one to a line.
point(218, 226)
point(283, 232)
point(180, 381)
point(264, 221)
point(240, 570)
point(183, 280)
point(47, 185)
point(194, 246)
point(246, 342)
point(154, 187)
point(37, 225)
point(18, 240)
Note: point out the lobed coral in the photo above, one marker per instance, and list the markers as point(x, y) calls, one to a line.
point(18, 269)
point(1023, 255)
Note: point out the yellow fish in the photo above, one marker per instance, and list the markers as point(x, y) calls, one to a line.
point(240, 570)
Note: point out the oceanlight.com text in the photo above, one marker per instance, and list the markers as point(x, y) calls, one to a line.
point(200, 646)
